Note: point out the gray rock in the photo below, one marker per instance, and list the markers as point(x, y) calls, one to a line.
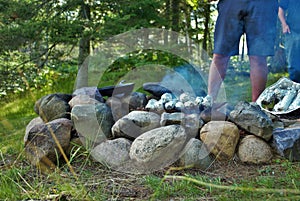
point(94, 121)
point(254, 150)
point(82, 100)
point(53, 106)
point(159, 147)
point(287, 142)
point(155, 88)
point(117, 107)
point(135, 123)
point(251, 118)
point(92, 92)
point(122, 106)
point(195, 154)
point(39, 141)
point(135, 101)
point(192, 124)
point(171, 118)
point(190, 121)
point(221, 138)
point(31, 124)
point(112, 153)
point(218, 112)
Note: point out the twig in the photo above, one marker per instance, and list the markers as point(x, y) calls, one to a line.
point(233, 188)
point(27, 183)
point(61, 150)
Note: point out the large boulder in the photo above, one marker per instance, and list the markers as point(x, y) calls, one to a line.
point(221, 138)
point(53, 106)
point(253, 119)
point(135, 123)
point(254, 150)
point(195, 154)
point(43, 140)
point(159, 147)
point(93, 121)
point(112, 153)
point(287, 142)
point(91, 92)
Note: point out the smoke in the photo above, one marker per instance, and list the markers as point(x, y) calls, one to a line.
point(185, 79)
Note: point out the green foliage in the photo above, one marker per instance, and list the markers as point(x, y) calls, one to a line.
point(152, 60)
point(16, 24)
point(146, 57)
point(37, 36)
point(133, 15)
point(16, 78)
point(10, 185)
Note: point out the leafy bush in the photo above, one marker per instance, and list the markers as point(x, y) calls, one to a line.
point(18, 74)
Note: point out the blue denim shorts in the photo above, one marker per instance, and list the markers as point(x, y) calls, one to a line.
point(292, 47)
point(255, 18)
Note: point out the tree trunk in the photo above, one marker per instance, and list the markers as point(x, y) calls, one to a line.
point(206, 31)
point(84, 49)
point(175, 19)
point(167, 25)
point(187, 27)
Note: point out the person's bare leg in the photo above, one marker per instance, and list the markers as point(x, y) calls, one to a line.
point(258, 75)
point(217, 74)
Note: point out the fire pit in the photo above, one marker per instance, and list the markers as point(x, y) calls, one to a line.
point(139, 132)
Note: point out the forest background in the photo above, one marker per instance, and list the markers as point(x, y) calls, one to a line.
point(41, 38)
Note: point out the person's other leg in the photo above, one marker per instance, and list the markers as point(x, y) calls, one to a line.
point(258, 75)
point(293, 56)
point(217, 74)
point(260, 28)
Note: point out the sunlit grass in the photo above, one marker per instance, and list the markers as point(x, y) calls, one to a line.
point(277, 181)
point(18, 110)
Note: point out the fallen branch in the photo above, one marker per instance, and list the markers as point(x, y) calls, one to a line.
point(233, 188)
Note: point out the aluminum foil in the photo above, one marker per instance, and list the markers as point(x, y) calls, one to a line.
point(282, 97)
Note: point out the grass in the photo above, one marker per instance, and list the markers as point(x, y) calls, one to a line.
point(229, 180)
point(231, 184)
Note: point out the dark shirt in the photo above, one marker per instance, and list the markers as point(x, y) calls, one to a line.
point(292, 10)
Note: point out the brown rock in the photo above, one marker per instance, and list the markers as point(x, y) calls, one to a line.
point(221, 138)
point(254, 150)
point(44, 140)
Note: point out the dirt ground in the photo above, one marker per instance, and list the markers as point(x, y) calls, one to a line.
point(132, 186)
